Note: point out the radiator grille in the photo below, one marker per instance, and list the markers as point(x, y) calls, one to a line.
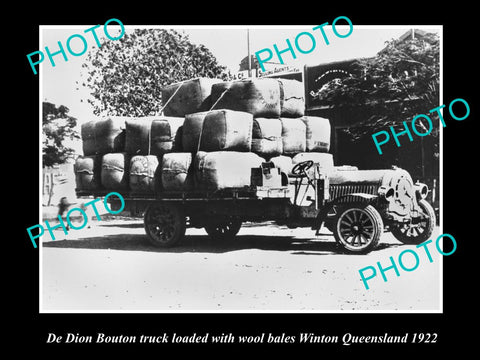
point(337, 191)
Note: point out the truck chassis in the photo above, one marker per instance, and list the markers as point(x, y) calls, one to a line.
point(356, 214)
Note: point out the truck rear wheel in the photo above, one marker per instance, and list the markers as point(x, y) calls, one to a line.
point(419, 231)
point(164, 224)
point(358, 229)
point(223, 229)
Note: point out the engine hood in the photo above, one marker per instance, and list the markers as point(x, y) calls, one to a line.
point(359, 176)
point(395, 185)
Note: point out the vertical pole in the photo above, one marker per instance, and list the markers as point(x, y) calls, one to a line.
point(307, 88)
point(249, 57)
point(50, 195)
point(422, 145)
point(44, 186)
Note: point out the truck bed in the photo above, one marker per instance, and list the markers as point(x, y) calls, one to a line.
point(253, 193)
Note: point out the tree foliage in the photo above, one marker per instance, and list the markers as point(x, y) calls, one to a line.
point(401, 81)
point(125, 77)
point(57, 126)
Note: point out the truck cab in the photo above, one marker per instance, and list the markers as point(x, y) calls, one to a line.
point(357, 206)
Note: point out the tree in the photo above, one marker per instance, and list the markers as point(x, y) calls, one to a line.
point(57, 127)
point(125, 77)
point(401, 81)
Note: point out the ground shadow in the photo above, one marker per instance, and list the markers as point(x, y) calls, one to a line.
point(203, 243)
point(136, 225)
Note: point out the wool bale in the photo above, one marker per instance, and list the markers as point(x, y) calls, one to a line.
point(87, 132)
point(191, 130)
point(87, 171)
point(226, 130)
point(318, 133)
point(193, 96)
point(267, 137)
point(224, 169)
point(114, 174)
point(324, 160)
point(104, 135)
point(292, 100)
point(153, 135)
point(137, 136)
point(177, 172)
point(142, 172)
point(283, 162)
point(259, 97)
point(166, 135)
point(294, 136)
point(218, 91)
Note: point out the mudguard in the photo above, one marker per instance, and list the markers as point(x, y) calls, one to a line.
point(354, 198)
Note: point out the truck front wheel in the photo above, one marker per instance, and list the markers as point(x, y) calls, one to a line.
point(418, 231)
point(164, 224)
point(358, 229)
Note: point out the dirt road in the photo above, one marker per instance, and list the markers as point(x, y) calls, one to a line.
point(112, 267)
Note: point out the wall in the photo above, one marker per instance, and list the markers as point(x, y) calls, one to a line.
point(58, 181)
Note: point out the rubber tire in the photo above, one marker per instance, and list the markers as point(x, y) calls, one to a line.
point(377, 223)
point(426, 207)
point(179, 224)
point(231, 225)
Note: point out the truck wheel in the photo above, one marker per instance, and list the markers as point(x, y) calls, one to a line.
point(164, 224)
point(358, 229)
point(223, 229)
point(418, 232)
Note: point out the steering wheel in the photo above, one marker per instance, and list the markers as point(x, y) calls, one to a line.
point(302, 167)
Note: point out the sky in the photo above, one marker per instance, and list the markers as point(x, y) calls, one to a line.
point(228, 44)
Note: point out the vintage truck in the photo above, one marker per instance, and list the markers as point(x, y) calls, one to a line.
point(357, 206)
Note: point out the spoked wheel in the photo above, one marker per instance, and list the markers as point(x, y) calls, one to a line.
point(164, 224)
point(358, 229)
point(418, 230)
point(223, 229)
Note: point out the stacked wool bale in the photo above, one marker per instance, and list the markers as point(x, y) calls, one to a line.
point(123, 153)
point(216, 144)
point(213, 133)
point(172, 169)
point(187, 97)
point(219, 142)
point(148, 139)
point(216, 152)
point(281, 132)
point(192, 100)
point(261, 117)
point(94, 171)
point(222, 157)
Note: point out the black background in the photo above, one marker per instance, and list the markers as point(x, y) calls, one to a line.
point(27, 330)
